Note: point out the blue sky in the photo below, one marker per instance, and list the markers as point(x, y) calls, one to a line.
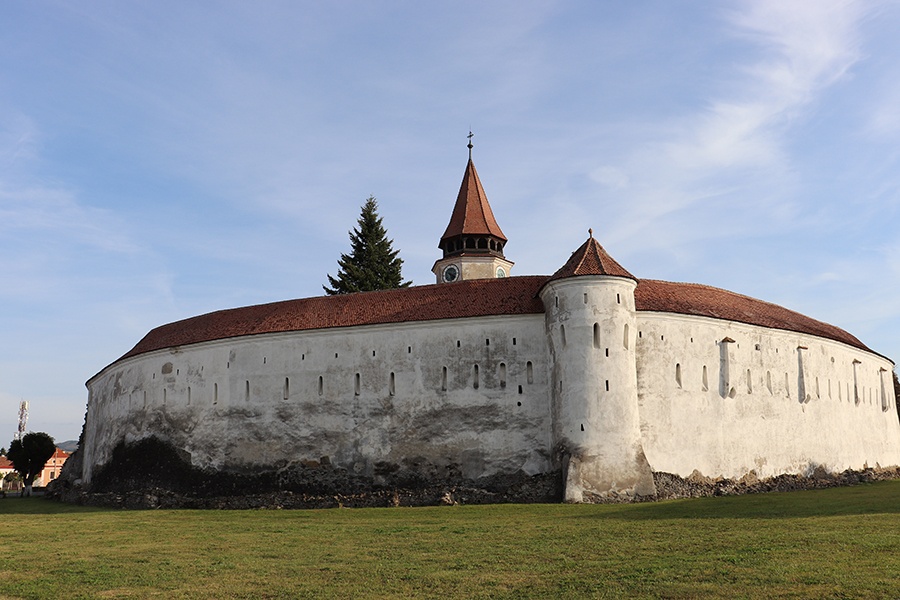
point(164, 159)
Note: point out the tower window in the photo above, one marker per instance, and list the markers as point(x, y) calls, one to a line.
point(502, 375)
point(287, 388)
point(475, 381)
point(356, 384)
point(529, 372)
point(443, 379)
point(391, 385)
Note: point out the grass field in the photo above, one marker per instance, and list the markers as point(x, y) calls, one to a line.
point(835, 543)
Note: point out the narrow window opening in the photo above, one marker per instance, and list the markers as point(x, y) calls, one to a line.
point(321, 385)
point(502, 375)
point(787, 385)
point(487, 342)
point(443, 379)
point(189, 395)
point(373, 353)
point(165, 394)
point(302, 357)
point(678, 374)
point(769, 381)
point(520, 391)
point(618, 299)
point(556, 301)
point(514, 341)
point(227, 366)
point(247, 389)
point(287, 388)
point(475, 382)
point(335, 354)
point(625, 337)
point(562, 333)
point(607, 385)
point(596, 335)
point(177, 371)
point(705, 380)
point(662, 338)
point(585, 298)
point(457, 343)
point(145, 398)
point(749, 382)
point(409, 349)
point(607, 351)
point(264, 360)
point(582, 426)
point(818, 395)
point(356, 384)
point(215, 393)
point(391, 385)
point(529, 372)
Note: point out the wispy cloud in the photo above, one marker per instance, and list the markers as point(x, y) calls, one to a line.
point(742, 133)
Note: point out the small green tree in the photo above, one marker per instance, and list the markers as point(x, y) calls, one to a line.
point(29, 455)
point(372, 264)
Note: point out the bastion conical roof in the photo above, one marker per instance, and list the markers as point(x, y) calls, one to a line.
point(591, 259)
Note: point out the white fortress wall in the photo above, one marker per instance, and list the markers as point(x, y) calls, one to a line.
point(460, 397)
point(771, 401)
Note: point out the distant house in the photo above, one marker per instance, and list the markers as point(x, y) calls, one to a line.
point(6, 467)
point(52, 467)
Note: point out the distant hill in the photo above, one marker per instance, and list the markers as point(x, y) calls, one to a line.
point(70, 446)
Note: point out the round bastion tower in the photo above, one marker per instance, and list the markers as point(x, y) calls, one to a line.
point(590, 325)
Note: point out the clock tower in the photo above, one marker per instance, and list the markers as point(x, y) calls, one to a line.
point(473, 242)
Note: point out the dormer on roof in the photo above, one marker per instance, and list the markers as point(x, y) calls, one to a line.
point(591, 259)
point(473, 242)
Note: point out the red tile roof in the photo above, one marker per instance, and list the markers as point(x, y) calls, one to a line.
point(472, 213)
point(706, 301)
point(591, 259)
point(469, 298)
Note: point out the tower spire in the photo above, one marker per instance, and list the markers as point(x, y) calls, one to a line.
point(473, 242)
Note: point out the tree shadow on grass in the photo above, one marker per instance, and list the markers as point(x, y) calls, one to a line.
point(38, 505)
point(864, 499)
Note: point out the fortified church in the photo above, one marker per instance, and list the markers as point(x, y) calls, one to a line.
point(590, 375)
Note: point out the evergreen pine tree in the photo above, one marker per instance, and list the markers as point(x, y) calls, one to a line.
point(372, 263)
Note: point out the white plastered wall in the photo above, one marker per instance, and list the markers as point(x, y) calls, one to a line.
point(197, 397)
point(798, 412)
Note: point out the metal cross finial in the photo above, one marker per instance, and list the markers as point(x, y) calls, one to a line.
point(591, 233)
point(470, 136)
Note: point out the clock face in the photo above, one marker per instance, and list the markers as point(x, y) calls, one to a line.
point(451, 273)
point(501, 272)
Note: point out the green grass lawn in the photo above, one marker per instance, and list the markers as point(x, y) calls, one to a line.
point(835, 543)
